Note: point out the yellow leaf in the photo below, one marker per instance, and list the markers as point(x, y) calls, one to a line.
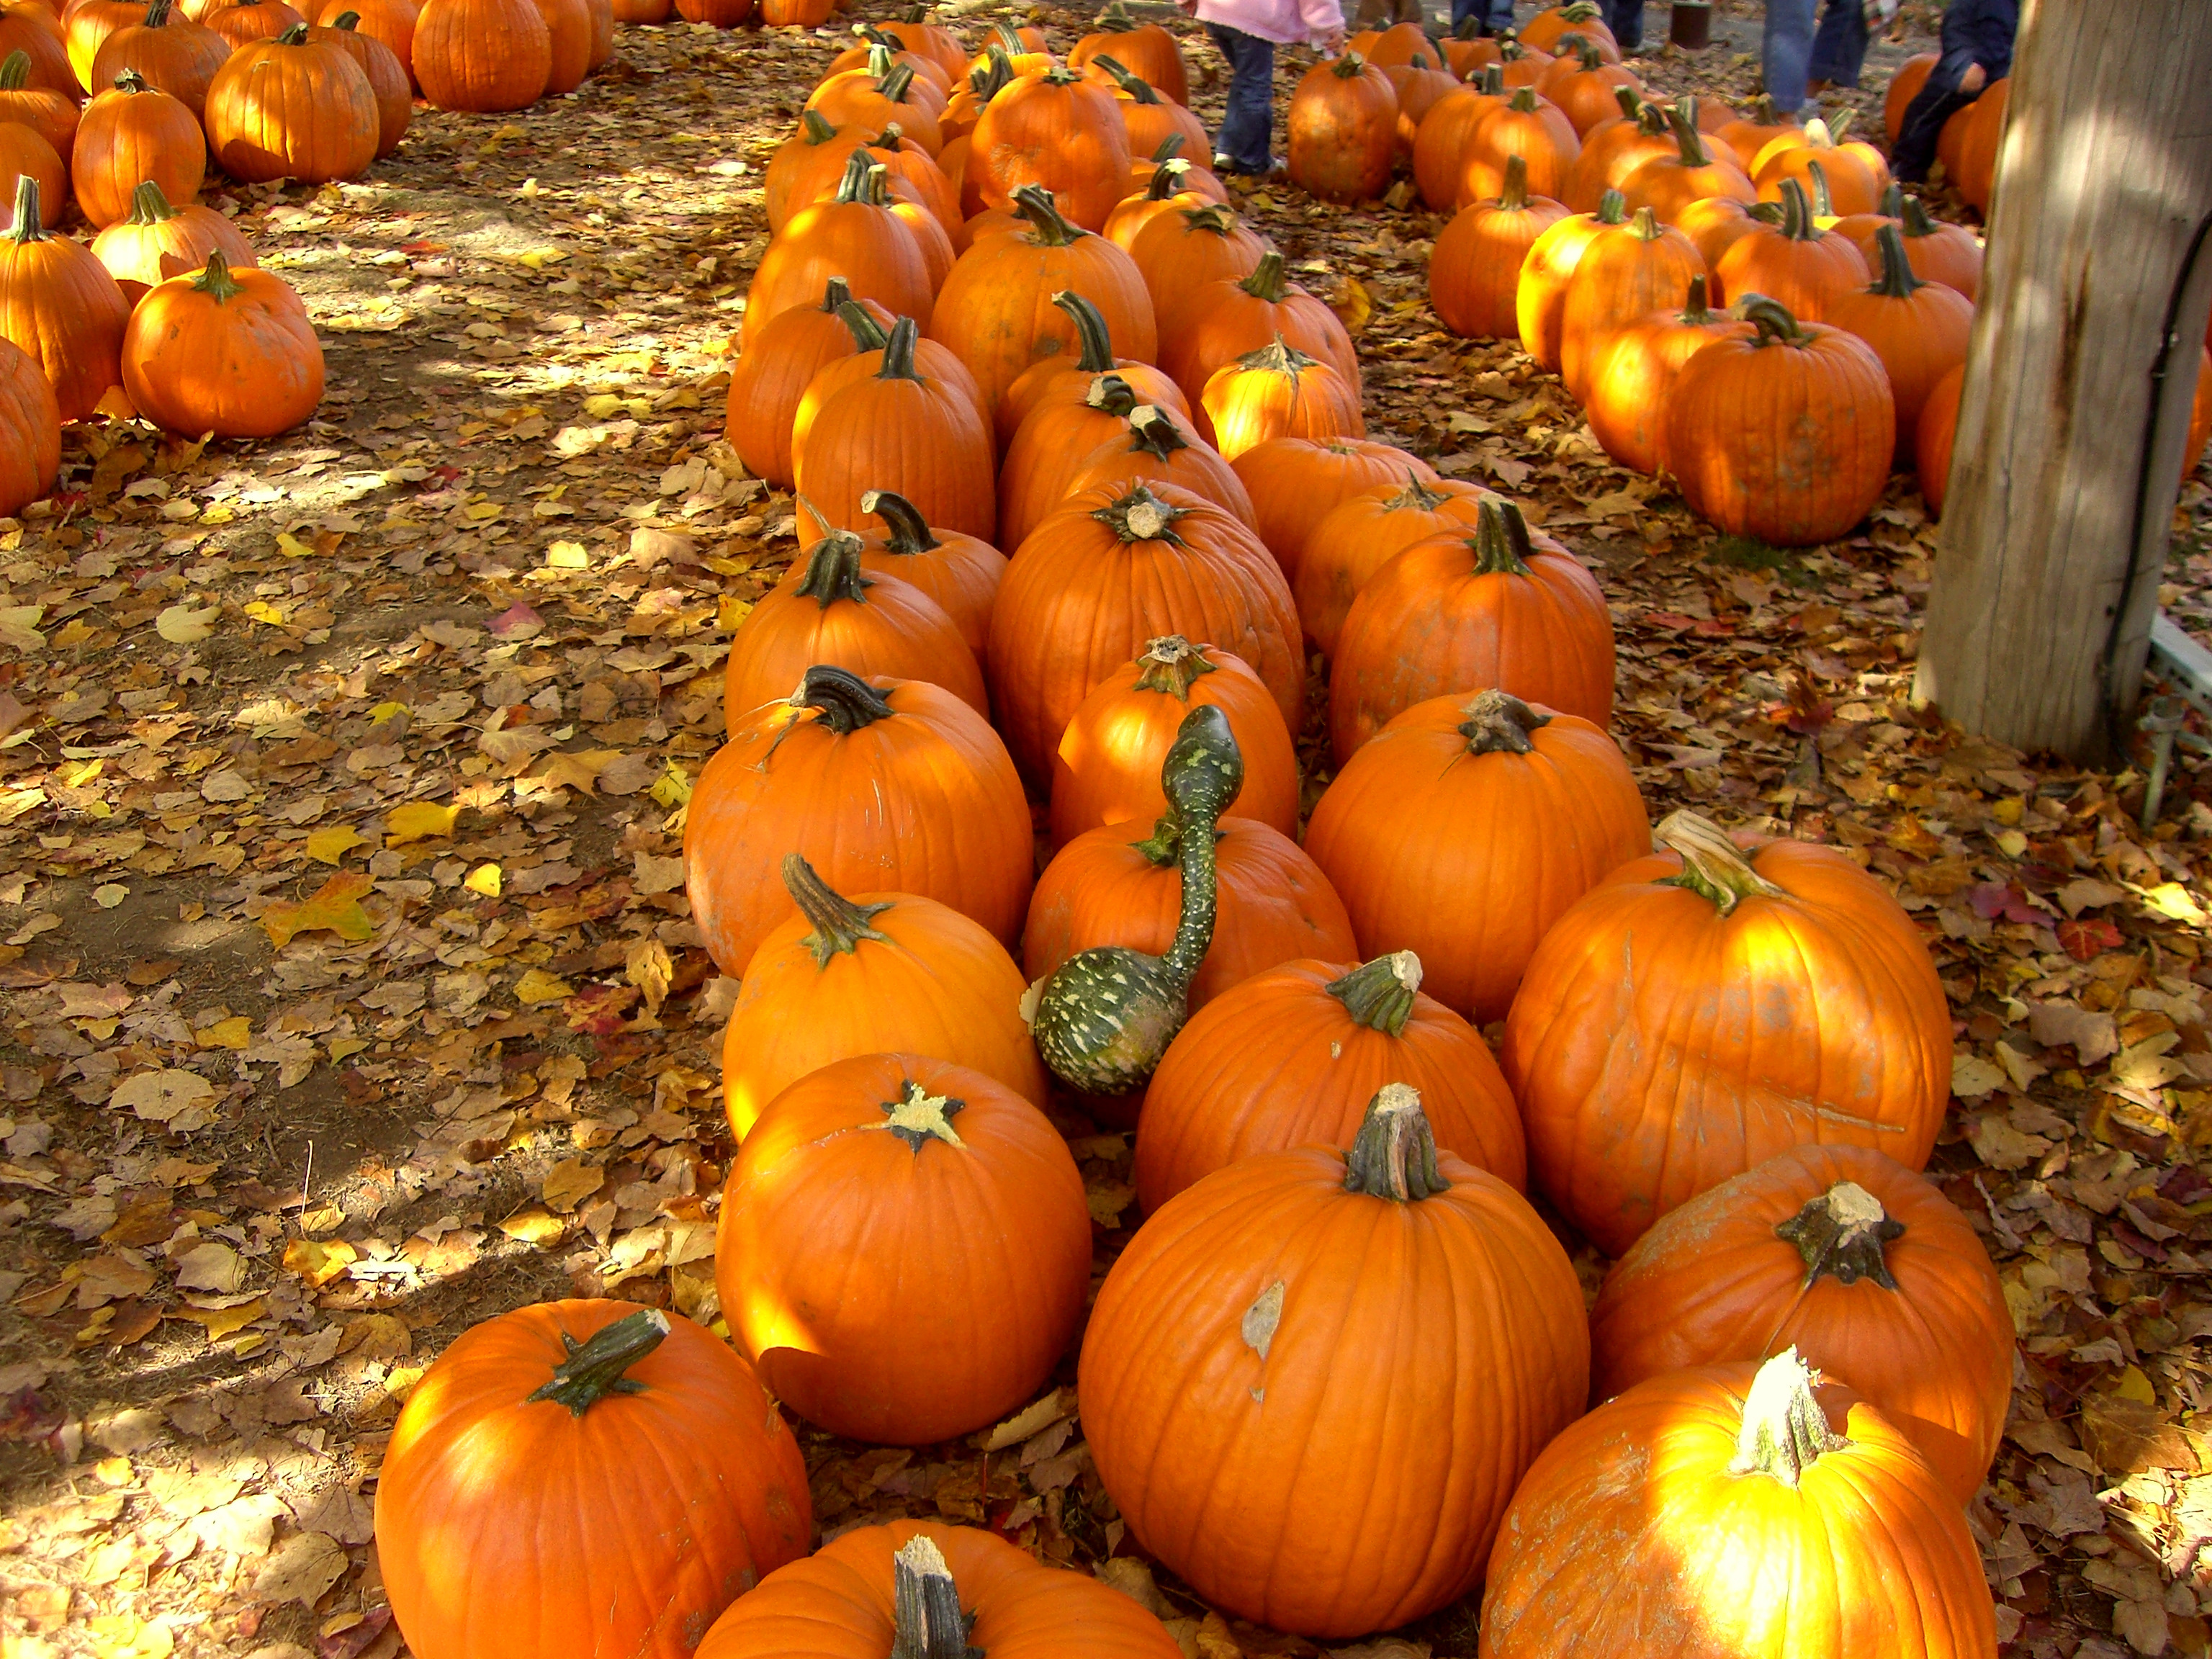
point(319, 1263)
point(578, 769)
point(262, 611)
point(182, 625)
point(236, 1032)
point(2133, 1385)
point(384, 711)
point(328, 846)
point(16, 627)
point(292, 546)
point(2175, 902)
point(730, 610)
point(602, 405)
point(346, 1048)
point(418, 820)
point(534, 1227)
point(125, 1636)
point(484, 880)
point(672, 788)
point(1352, 304)
point(567, 556)
point(223, 1321)
point(649, 968)
point(76, 633)
point(336, 905)
point(538, 985)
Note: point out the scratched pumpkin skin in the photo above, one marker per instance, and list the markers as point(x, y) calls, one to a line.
point(1673, 1031)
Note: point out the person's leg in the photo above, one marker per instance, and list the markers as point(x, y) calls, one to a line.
point(1462, 10)
point(1936, 102)
point(1625, 19)
point(1248, 118)
point(1840, 47)
point(1500, 18)
point(1786, 51)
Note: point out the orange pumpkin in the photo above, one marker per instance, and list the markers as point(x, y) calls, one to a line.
point(1295, 483)
point(773, 374)
point(1616, 147)
point(1474, 270)
point(1846, 1256)
point(59, 304)
point(1211, 324)
point(1584, 85)
point(171, 51)
point(129, 134)
point(1440, 142)
point(1145, 49)
point(873, 1163)
point(1625, 390)
point(1180, 251)
point(1768, 1000)
point(621, 1452)
point(1625, 271)
point(1466, 828)
point(392, 21)
point(1938, 252)
point(1343, 129)
point(1164, 193)
point(1524, 125)
point(1292, 1057)
point(1147, 118)
point(1270, 1346)
point(568, 33)
point(26, 156)
point(290, 108)
point(482, 56)
point(158, 241)
point(1904, 87)
point(1050, 446)
point(1856, 174)
point(1669, 184)
point(946, 818)
point(388, 78)
point(1795, 264)
point(1977, 173)
point(243, 23)
point(1785, 434)
point(960, 572)
point(1154, 446)
point(1060, 379)
point(228, 352)
point(1058, 132)
point(47, 111)
point(1463, 612)
point(884, 93)
point(1107, 769)
point(853, 234)
point(30, 430)
point(1548, 29)
point(1278, 391)
point(1939, 426)
point(1363, 533)
point(1613, 1533)
point(1540, 298)
point(1918, 329)
point(863, 365)
point(31, 29)
point(86, 27)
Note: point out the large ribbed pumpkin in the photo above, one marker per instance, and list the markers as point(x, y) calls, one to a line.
point(1466, 828)
point(896, 787)
point(1278, 391)
point(59, 304)
point(1862, 1266)
point(1918, 329)
point(1625, 387)
point(129, 134)
point(1122, 885)
point(1704, 1009)
point(1797, 264)
point(1626, 271)
point(1475, 271)
point(926, 1590)
point(1106, 768)
point(1211, 324)
point(772, 375)
point(1741, 1512)
point(1111, 570)
point(1155, 446)
point(853, 234)
point(1785, 434)
point(618, 1462)
point(1462, 612)
point(1058, 132)
point(482, 56)
point(1361, 1352)
point(1292, 1056)
point(904, 1248)
point(169, 51)
point(1343, 130)
point(288, 108)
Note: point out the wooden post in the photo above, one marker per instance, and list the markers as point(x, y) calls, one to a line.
point(2056, 522)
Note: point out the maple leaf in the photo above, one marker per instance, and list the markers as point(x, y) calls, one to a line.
point(2086, 940)
point(335, 908)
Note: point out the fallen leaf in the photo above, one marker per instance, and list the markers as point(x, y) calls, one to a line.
point(418, 820)
point(335, 907)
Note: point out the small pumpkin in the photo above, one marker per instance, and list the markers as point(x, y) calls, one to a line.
point(773, 374)
point(1363, 533)
point(85, 29)
point(1278, 391)
point(1146, 115)
point(1050, 446)
point(158, 241)
point(1211, 324)
point(59, 304)
point(392, 21)
point(1626, 385)
point(1062, 379)
point(1795, 264)
point(1785, 434)
point(291, 109)
point(1528, 126)
point(1474, 270)
point(871, 339)
point(1849, 1257)
point(1769, 999)
point(960, 572)
point(1918, 329)
point(1938, 252)
point(886, 92)
point(388, 78)
point(1295, 483)
point(1669, 184)
point(945, 816)
point(718, 14)
point(1466, 828)
point(1856, 174)
point(1343, 128)
point(1583, 84)
point(904, 1248)
point(1904, 87)
point(1268, 1347)
point(1457, 612)
point(925, 1590)
point(1548, 29)
point(1292, 1057)
point(129, 134)
point(1540, 298)
point(1106, 769)
point(876, 973)
point(1810, 1485)
point(482, 56)
point(1165, 192)
point(625, 1462)
point(47, 111)
point(25, 154)
point(827, 610)
point(230, 352)
point(853, 234)
point(1145, 49)
point(30, 430)
point(1625, 271)
point(244, 23)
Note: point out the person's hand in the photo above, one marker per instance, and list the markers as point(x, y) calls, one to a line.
point(1333, 46)
point(1973, 80)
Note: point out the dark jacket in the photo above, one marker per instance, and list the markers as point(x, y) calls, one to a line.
point(1983, 29)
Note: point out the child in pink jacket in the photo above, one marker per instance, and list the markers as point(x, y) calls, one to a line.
point(1248, 31)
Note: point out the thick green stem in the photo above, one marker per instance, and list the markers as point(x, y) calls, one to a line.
point(1823, 199)
point(1169, 148)
point(217, 282)
point(1713, 866)
point(28, 227)
point(1696, 311)
point(905, 530)
point(1096, 354)
point(15, 72)
point(1203, 774)
point(1896, 279)
point(1612, 209)
point(596, 1369)
point(815, 127)
point(868, 334)
point(845, 701)
point(1172, 665)
point(1379, 994)
point(1167, 180)
point(1109, 394)
point(1514, 196)
point(1914, 214)
point(1047, 228)
point(1499, 722)
point(1347, 67)
point(833, 571)
point(148, 206)
point(1632, 104)
point(1842, 1233)
point(898, 351)
point(1797, 214)
point(1773, 320)
point(1501, 544)
point(1784, 1431)
point(838, 925)
point(1394, 1156)
point(1153, 432)
point(1267, 281)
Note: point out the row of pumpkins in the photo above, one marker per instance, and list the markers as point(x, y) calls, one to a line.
point(1343, 1372)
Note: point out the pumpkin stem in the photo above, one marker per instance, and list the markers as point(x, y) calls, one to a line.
point(1513, 197)
point(1047, 228)
point(1278, 357)
point(1840, 126)
point(1696, 311)
point(1773, 320)
point(838, 924)
point(1096, 353)
point(148, 206)
point(1896, 280)
point(1167, 179)
point(595, 1369)
point(1169, 148)
point(1689, 143)
point(1141, 516)
point(347, 21)
point(1203, 774)
point(1893, 201)
point(845, 701)
point(217, 282)
point(1110, 394)
point(863, 179)
point(837, 294)
point(1140, 89)
point(1116, 19)
point(157, 15)
point(1842, 1232)
point(1214, 218)
point(1501, 540)
point(926, 1620)
point(1646, 226)
point(1581, 12)
point(898, 351)
point(1784, 1431)
point(1348, 66)
point(1914, 212)
point(295, 36)
point(129, 81)
point(1592, 58)
point(993, 77)
point(1160, 849)
point(1712, 866)
point(814, 127)
point(833, 571)
point(15, 72)
point(1153, 432)
point(1492, 84)
point(1631, 105)
point(1797, 214)
point(1266, 281)
point(1379, 994)
point(1396, 1154)
point(27, 226)
point(868, 334)
point(1008, 41)
point(1499, 722)
point(905, 530)
point(1173, 664)
point(1613, 209)
point(1824, 201)
point(1523, 101)
point(918, 1117)
point(1416, 495)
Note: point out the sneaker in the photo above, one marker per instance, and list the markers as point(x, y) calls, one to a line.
point(1223, 163)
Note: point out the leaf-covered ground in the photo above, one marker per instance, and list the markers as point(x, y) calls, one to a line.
point(348, 993)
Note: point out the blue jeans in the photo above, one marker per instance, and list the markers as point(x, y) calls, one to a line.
point(1493, 15)
point(1250, 117)
point(1791, 51)
point(1625, 19)
point(1936, 102)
